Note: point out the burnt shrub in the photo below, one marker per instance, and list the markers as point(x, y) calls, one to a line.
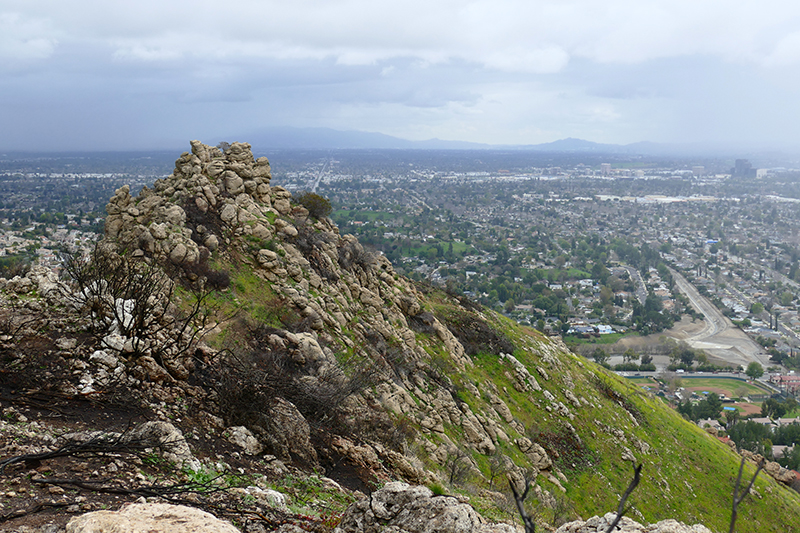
point(311, 244)
point(610, 392)
point(352, 255)
point(475, 334)
point(422, 323)
point(565, 448)
point(249, 383)
point(134, 298)
point(209, 219)
point(200, 269)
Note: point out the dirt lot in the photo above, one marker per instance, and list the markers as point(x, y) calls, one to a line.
point(730, 346)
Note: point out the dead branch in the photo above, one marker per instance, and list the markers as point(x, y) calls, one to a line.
point(170, 493)
point(148, 491)
point(530, 525)
point(621, 509)
point(101, 444)
point(737, 498)
point(19, 513)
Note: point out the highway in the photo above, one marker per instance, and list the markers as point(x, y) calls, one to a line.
point(314, 183)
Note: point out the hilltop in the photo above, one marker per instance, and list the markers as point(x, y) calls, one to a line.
point(226, 341)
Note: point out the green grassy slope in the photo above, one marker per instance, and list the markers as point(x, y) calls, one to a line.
point(688, 474)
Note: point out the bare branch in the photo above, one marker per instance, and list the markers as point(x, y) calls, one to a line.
point(621, 509)
point(98, 445)
point(737, 498)
point(527, 521)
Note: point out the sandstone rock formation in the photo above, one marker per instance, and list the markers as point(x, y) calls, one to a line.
point(214, 201)
point(401, 508)
point(599, 524)
point(148, 517)
point(779, 473)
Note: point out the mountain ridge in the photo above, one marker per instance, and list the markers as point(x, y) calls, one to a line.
point(294, 138)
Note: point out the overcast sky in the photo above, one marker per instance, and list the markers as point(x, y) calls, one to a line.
point(82, 74)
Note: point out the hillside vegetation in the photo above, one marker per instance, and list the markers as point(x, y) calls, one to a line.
point(262, 316)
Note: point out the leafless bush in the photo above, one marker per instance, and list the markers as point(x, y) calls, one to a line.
point(475, 333)
point(422, 323)
point(133, 298)
point(610, 392)
point(249, 383)
point(457, 465)
point(311, 243)
point(498, 466)
point(201, 272)
point(352, 255)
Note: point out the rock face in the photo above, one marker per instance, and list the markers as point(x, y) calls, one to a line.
point(401, 508)
point(216, 202)
point(779, 473)
point(599, 524)
point(147, 517)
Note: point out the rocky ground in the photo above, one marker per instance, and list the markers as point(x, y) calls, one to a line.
point(79, 432)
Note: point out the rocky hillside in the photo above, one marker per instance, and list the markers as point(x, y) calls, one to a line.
point(226, 347)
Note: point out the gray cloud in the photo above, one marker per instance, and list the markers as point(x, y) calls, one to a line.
point(504, 71)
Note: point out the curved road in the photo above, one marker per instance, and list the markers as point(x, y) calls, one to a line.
point(719, 338)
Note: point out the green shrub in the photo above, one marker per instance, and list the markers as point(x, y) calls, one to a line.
point(318, 206)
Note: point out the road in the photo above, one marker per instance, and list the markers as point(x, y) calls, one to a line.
point(719, 338)
point(638, 283)
point(314, 183)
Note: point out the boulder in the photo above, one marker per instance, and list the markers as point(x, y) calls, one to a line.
point(150, 517)
point(288, 435)
point(167, 439)
point(780, 473)
point(599, 524)
point(402, 508)
point(242, 437)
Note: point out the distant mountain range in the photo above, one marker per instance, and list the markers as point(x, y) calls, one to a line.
point(290, 138)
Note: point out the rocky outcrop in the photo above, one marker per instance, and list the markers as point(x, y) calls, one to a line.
point(150, 517)
point(599, 524)
point(215, 203)
point(772, 468)
point(402, 508)
point(315, 310)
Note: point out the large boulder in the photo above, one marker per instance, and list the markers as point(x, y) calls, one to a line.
point(780, 473)
point(289, 435)
point(402, 508)
point(599, 524)
point(150, 517)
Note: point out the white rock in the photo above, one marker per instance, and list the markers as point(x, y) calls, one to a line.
point(242, 437)
point(143, 517)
